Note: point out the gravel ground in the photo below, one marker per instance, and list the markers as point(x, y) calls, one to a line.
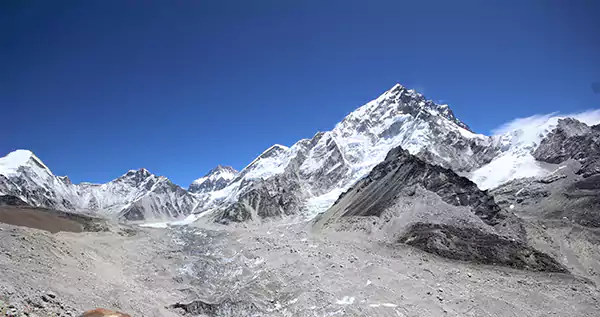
point(276, 269)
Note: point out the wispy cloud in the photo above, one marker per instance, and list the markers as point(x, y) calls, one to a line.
point(589, 117)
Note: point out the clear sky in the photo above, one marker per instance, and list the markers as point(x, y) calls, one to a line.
point(96, 88)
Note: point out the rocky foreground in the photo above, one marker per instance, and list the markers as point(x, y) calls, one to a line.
point(281, 269)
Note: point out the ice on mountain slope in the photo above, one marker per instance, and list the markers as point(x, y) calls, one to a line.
point(272, 161)
point(506, 167)
point(517, 140)
point(217, 173)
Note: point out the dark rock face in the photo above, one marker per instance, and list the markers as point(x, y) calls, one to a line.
point(8, 200)
point(434, 209)
point(274, 197)
point(572, 139)
point(225, 308)
point(590, 166)
point(563, 195)
point(401, 170)
point(468, 244)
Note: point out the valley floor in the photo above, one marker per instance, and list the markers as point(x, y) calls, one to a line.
point(277, 269)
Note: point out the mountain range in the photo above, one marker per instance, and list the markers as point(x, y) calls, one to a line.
point(309, 176)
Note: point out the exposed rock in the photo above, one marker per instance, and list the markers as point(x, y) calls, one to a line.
point(401, 170)
point(65, 179)
point(101, 312)
point(572, 139)
point(470, 244)
point(224, 308)
point(563, 194)
point(434, 209)
point(275, 197)
point(9, 200)
point(552, 178)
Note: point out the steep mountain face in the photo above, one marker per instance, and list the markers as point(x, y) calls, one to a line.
point(137, 195)
point(24, 175)
point(572, 139)
point(331, 161)
point(278, 196)
point(432, 208)
point(216, 179)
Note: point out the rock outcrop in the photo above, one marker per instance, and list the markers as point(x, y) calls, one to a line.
point(572, 139)
point(277, 196)
point(432, 208)
point(101, 312)
point(563, 195)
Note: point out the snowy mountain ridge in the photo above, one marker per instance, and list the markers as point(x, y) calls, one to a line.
point(136, 195)
point(331, 161)
point(310, 175)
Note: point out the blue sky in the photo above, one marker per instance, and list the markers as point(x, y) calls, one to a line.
point(96, 88)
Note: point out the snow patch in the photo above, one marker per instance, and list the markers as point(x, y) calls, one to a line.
point(518, 139)
point(346, 300)
point(390, 305)
point(318, 204)
point(505, 168)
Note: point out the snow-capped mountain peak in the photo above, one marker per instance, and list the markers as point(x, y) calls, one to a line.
point(216, 179)
point(270, 162)
point(136, 177)
point(19, 158)
point(331, 161)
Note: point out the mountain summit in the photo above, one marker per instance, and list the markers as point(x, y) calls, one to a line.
point(320, 168)
point(216, 179)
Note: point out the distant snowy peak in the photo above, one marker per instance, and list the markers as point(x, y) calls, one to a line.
point(222, 171)
point(11, 163)
point(136, 195)
point(136, 177)
point(215, 179)
point(270, 162)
